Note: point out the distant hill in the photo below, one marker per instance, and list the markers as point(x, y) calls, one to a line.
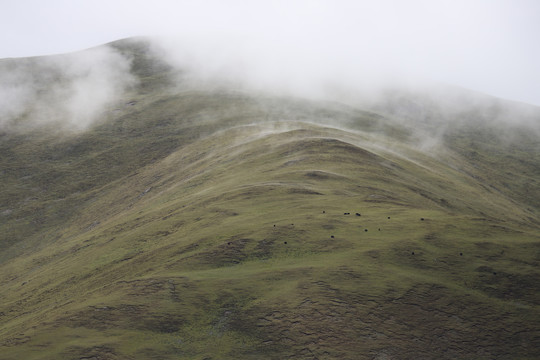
point(149, 214)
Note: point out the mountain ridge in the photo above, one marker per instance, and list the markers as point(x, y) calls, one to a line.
point(193, 222)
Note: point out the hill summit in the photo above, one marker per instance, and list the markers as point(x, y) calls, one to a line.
point(147, 212)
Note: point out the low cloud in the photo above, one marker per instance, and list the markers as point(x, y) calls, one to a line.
point(338, 73)
point(286, 66)
point(70, 91)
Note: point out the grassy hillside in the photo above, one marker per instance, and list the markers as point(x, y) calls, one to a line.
point(193, 223)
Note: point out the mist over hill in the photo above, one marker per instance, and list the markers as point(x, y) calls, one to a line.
point(164, 203)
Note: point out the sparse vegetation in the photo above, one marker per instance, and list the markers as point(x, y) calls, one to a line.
point(210, 225)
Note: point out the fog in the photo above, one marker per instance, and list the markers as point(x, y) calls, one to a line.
point(70, 91)
point(357, 52)
point(296, 70)
point(489, 46)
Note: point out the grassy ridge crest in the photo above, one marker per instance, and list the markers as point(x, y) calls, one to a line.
point(193, 223)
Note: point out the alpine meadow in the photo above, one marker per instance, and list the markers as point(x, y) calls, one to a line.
point(150, 212)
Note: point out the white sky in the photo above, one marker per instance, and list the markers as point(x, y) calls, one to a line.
point(491, 46)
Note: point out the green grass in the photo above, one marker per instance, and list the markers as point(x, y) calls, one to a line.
point(210, 225)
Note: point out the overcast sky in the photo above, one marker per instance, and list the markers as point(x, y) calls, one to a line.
point(492, 46)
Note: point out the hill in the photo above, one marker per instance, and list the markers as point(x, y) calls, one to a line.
point(197, 221)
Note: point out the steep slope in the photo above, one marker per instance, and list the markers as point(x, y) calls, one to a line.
point(196, 224)
point(489, 133)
